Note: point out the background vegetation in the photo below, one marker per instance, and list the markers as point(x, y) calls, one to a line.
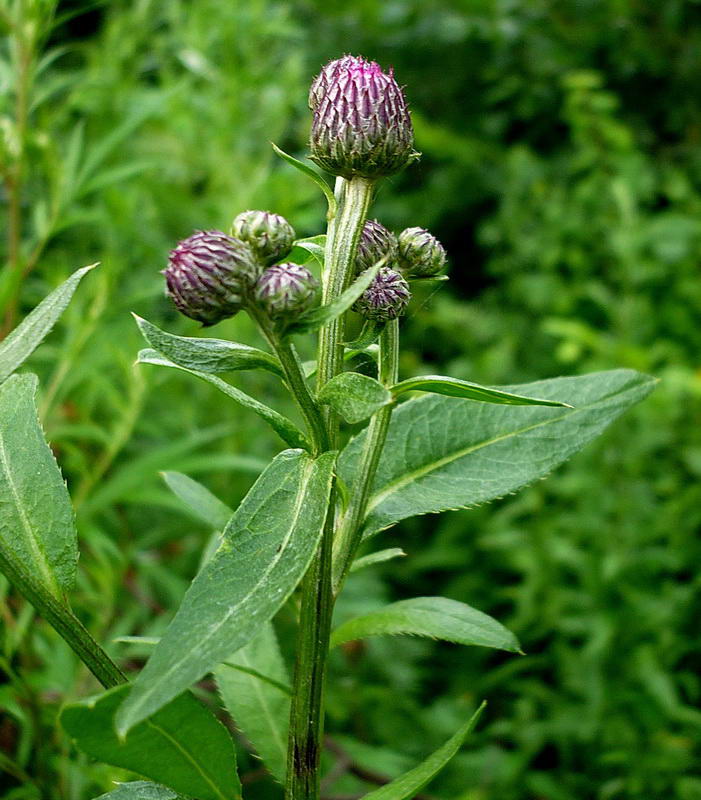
point(562, 169)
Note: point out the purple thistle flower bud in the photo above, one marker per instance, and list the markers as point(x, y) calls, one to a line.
point(421, 255)
point(374, 244)
point(386, 298)
point(270, 235)
point(361, 124)
point(286, 290)
point(210, 275)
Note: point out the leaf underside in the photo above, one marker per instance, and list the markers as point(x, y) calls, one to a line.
point(266, 549)
point(447, 453)
point(140, 790)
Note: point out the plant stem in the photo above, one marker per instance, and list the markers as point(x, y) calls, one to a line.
point(307, 713)
point(65, 623)
point(350, 529)
point(296, 382)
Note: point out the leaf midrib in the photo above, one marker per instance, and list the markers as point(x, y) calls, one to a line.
point(306, 470)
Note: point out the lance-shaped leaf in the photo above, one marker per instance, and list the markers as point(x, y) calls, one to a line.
point(304, 250)
point(454, 387)
point(207, 355)
point(445, 453)
point(310, 172)
point(377, 558)
point(266, 549)
point(184, 746)
point(16, 348)
point(254, 685)
point(354, 396)
point(37, 531)
point(140, 790)
point(199, 499)
point(285, 428)
point(406, 786)
point(434, 617)
point(322, 315)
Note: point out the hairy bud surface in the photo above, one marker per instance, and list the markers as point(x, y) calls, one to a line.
point(374, 244)
point(210, 275)
point(361, 124)
point(421, 255)
point(286, 290)
point(386, 298)
point(270, 235)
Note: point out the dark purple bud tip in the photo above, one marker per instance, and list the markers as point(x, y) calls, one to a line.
point(421, 255)
point(210, 276)
point(286, 290)
point(386, 298)
point(375, 243)
point(361, 124)
point(270, 235)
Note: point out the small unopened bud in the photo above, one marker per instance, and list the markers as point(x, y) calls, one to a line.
point(375, 243)
point(386, 298)
point(270, 235)
point(210, 275)
point(286, 290)
point(421, 255)
point(361, 124)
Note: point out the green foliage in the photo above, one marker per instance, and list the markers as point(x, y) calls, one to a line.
point(183, 746)
point(37, 533)
point(266, 549)
point(435, 617)
point(445, 453)
point(140, 790)
point(355, 397)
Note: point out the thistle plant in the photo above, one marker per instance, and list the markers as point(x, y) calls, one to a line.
point(375, 449)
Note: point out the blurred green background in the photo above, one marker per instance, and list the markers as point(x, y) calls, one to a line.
point(561, 167)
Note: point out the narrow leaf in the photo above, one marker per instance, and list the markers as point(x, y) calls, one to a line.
point(37, 531)
point(322, 315)
point(207, 355)
point(369, 334)
point(184, 746)
point(354, 396)
point(260, 706)
point(406, 786)
point(285, 428)
point(140, 790)
point(16, 348)
point(454, 387)
point(304, 250)
point(266, 549)
point(310, 172)
point(446, 453)
point(377, 558)
point(434, 617)
point(199, 499)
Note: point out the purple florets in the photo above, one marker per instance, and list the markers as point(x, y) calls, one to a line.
point(361, 124)
point(386, 298)
point(209, 276)
point(286, 290)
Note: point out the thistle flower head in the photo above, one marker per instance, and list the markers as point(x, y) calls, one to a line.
point(286, 290)
point(361, 124)
point(421, 255)
point(374, 244)
point(270, 235)
point(386, 298)
point(209, 276)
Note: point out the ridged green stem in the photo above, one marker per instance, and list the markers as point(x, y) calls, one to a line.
point(307, 712)
point(65, 623)
point(350, 530)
